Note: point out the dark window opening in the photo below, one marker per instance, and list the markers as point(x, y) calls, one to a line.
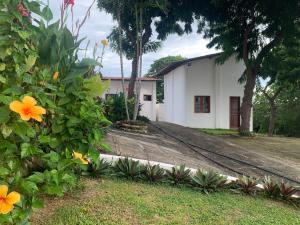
point(110, 96)
point(202, 104)
point(147, 97)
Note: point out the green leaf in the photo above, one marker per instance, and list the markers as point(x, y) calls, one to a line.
point(54, 143)
point(28, 150)
point(6, 130)
point(4, 114)
point(2, 79)
point(2, 66)
point(37, 203)
point(106, 147)
point(28, 187)
point(47, 14)
point(96, 87)
point(30, 61)
point(3, 172)
point(37, 178)
point(5, 99)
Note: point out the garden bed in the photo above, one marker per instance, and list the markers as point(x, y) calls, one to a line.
point(132, 126)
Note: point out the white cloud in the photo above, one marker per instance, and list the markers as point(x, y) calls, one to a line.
point(99, 25)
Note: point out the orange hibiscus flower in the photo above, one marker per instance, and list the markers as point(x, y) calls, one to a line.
point(55, 75)
point(7, 201)
point(83, 159)
point(28, 109)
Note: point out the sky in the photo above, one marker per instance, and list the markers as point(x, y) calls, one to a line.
point(99, 25)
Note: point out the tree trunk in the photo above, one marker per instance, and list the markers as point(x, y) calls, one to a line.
point(134, 73)
point(247, 100)
point(272, 118)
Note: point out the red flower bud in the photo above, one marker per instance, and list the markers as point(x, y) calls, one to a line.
point(23, 11)
point(69, 2)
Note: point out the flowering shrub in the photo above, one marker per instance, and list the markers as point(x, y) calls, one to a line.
point(49, 120)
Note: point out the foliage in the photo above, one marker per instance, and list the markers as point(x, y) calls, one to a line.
point(143, 119)
point(153, 173)
point(37, 157)
point(179, 175)
point(98, 168)
point(271, 187)
point(288, 112)
point(128, 168)
point(287, 191)
point(158, 65)
point(208, 181)
point(114, 107)
point(247, 185)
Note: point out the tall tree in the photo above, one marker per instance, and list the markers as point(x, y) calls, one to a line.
point(158, 65)
point(247, 29)
point(129, 28)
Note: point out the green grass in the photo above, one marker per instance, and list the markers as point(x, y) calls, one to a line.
point(218, 132)
point(122, 202)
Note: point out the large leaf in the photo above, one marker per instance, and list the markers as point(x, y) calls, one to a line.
point(96, 87)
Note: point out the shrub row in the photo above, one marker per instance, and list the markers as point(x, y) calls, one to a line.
point(204, 181)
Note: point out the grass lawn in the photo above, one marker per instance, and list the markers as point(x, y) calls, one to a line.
point(122, 202)
point(218, 132)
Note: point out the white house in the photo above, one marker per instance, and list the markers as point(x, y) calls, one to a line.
point(147, 96)
point(199, 93)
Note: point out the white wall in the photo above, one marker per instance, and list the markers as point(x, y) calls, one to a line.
point(174, 96)
point(227, 79)
point(200, 82)
point(202, 78)
point(147, 88)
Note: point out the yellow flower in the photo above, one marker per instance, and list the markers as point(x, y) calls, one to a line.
point(104, 42)
point(83, 159)
point(56, 75)
point(7, 201)
point(27, 109)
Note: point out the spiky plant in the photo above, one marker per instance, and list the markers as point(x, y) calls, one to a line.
point(153, 173)
point(287, 191)
point(99, 168)
point(271, 187)
point(208, 181)
point(179, 175)
point(128, 168)
point(247, 185)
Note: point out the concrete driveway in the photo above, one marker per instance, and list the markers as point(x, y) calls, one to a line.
point(170, 143)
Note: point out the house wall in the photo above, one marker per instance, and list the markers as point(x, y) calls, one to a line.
point(202, 78)
point(200, 82)
point(227, 76)
point(174, 97)
point(147, 88)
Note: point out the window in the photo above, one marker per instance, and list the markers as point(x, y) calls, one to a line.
point(110, 96)
point(148, 98)
point(202, 104)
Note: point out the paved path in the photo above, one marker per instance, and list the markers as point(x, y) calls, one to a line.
point(159, 146)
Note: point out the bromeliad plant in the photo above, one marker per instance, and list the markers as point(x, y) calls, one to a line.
point(49, 120)
point(128, 168)
point(153, 173)
point(179, 175)
point(247, 185)
point(208, 181)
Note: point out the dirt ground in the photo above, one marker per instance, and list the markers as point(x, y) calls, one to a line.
point(279, 155)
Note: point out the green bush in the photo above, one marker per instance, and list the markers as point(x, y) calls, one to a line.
point(47, 108)
point(114, 107)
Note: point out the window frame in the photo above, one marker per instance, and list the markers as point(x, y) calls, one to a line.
point(202, 103)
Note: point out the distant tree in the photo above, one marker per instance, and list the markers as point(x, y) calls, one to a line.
point(158, 65)
point(161, 63)
point(246, 29)
point(287, 105)
point(129, 31)
point(282, 68)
